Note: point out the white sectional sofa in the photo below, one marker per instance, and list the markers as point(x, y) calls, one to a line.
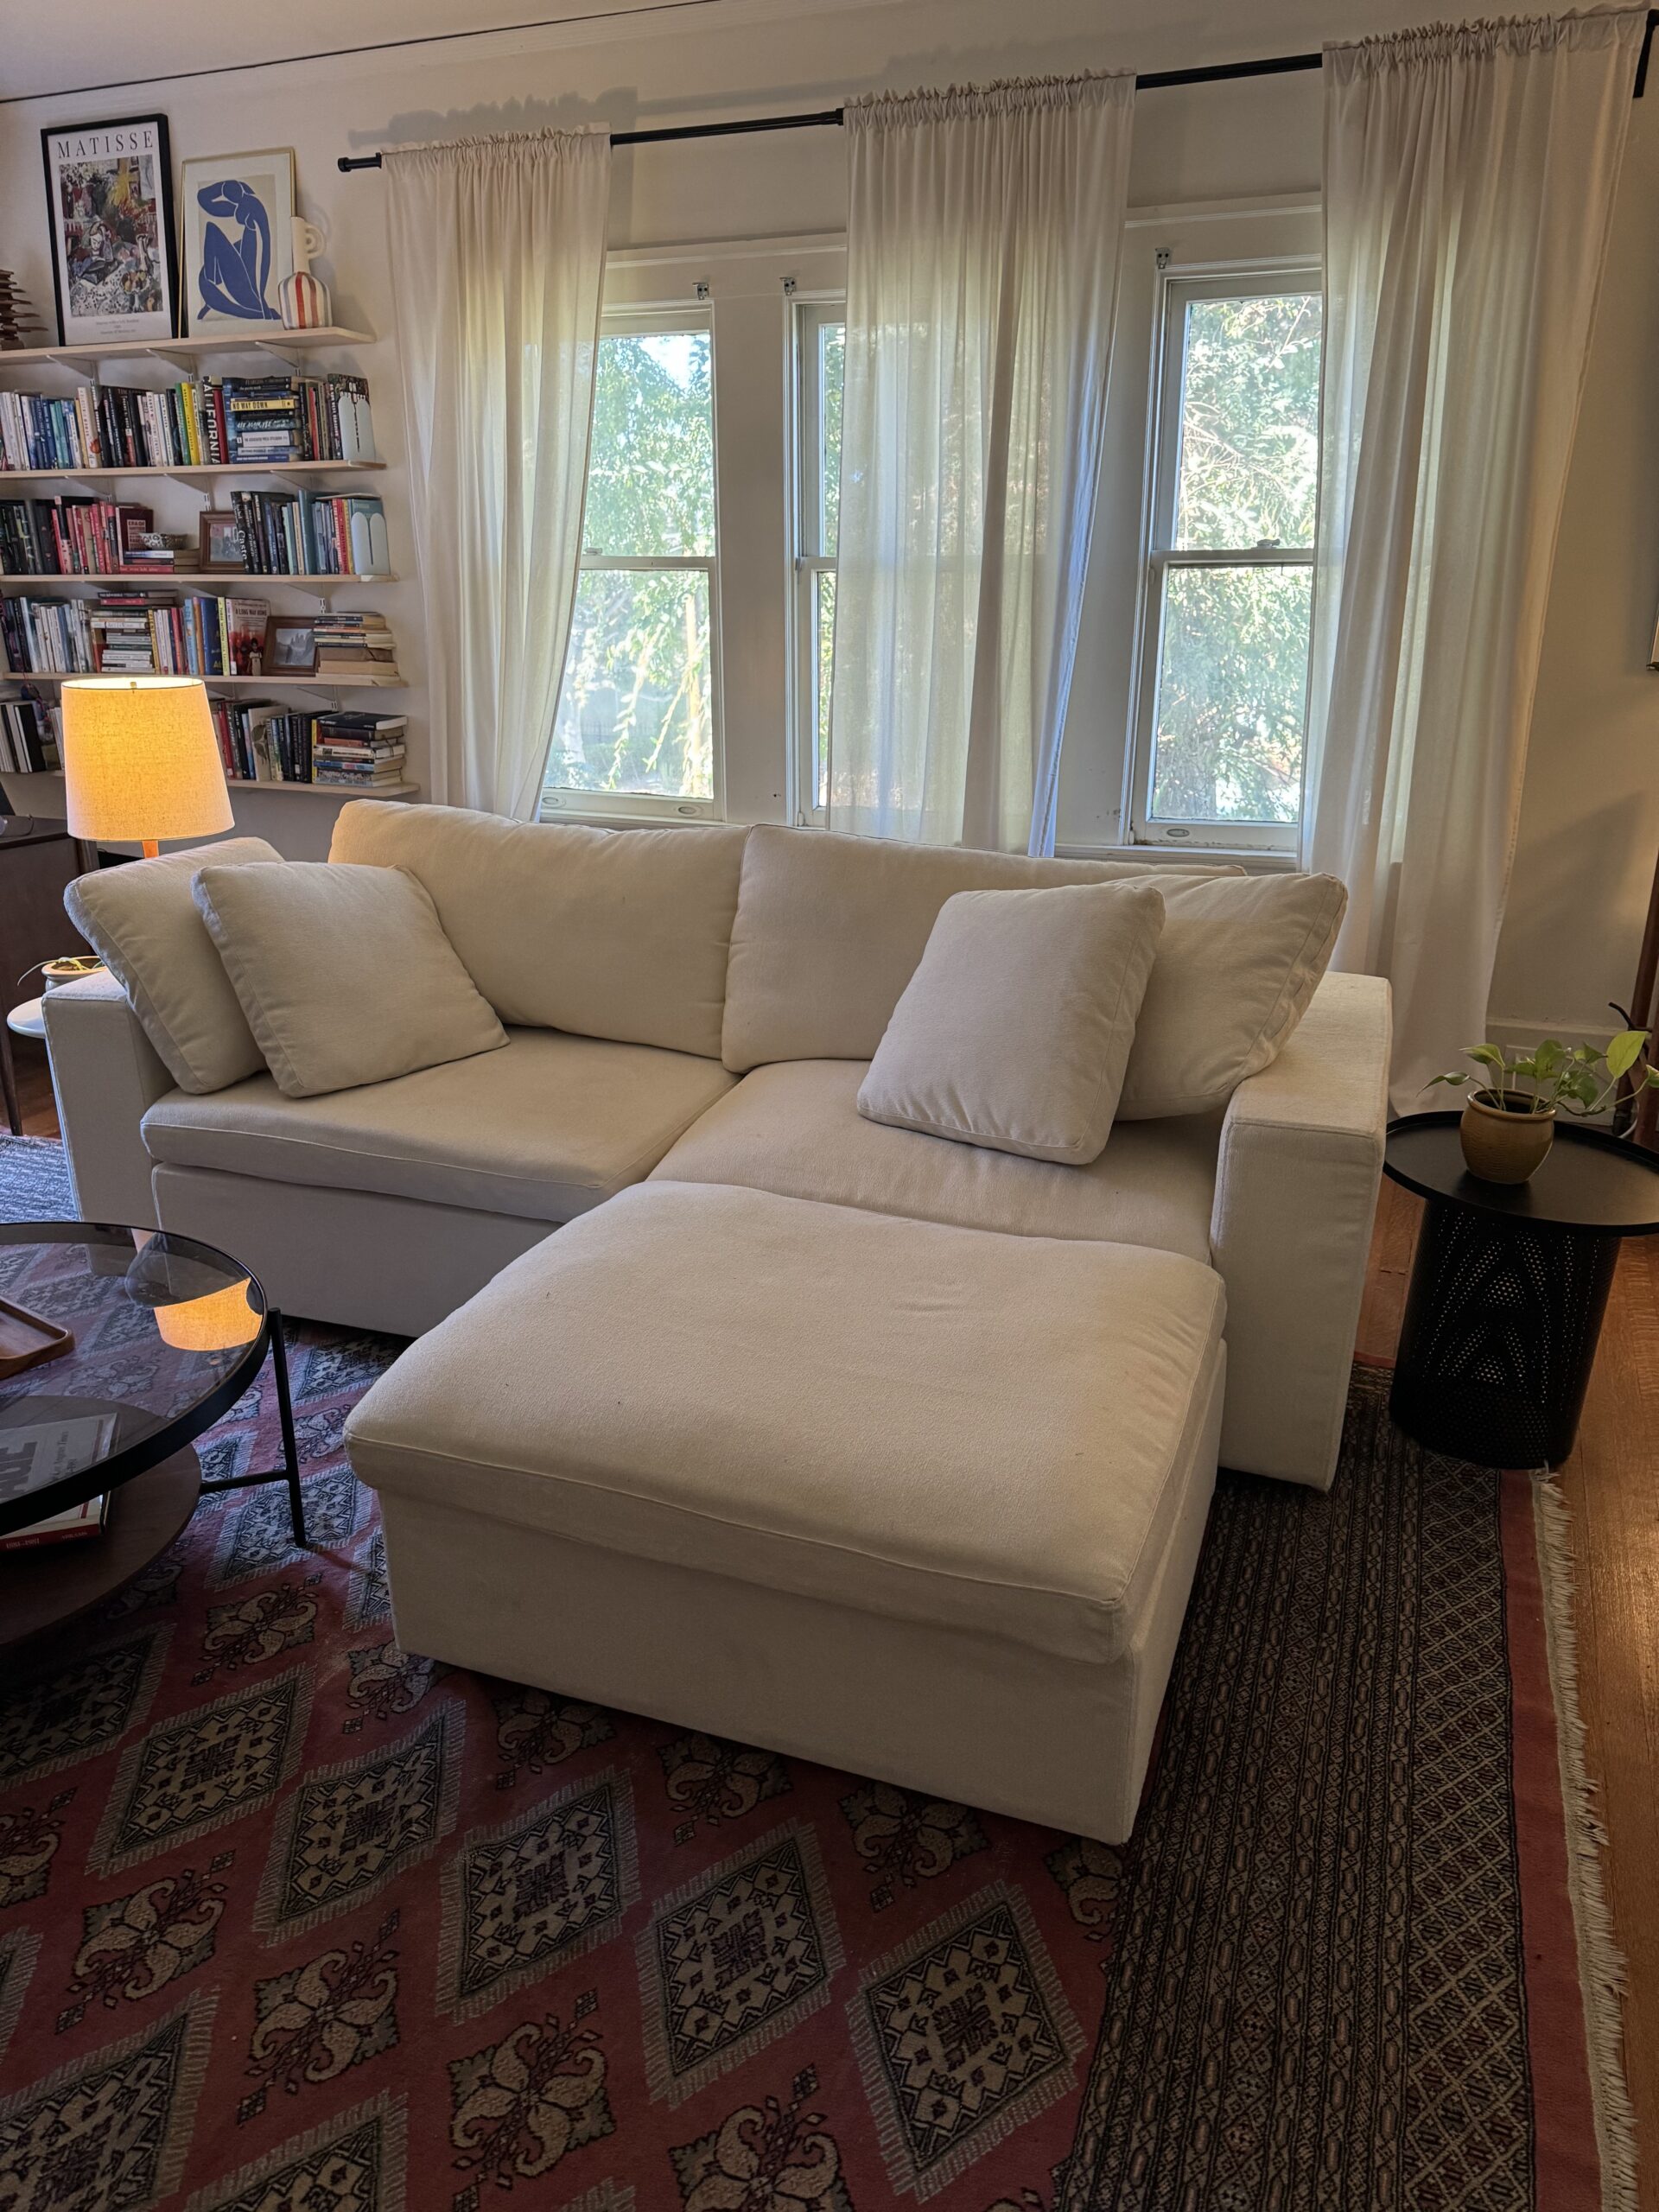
point(885, 1450)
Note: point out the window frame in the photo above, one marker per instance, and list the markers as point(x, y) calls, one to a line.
point(564, 802)
point(808, 560)
point(1175, 287)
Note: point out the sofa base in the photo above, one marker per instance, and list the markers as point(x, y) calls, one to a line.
point(357, 1258)
point(972, 1717)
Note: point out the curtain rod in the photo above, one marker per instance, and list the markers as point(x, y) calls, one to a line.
point(1156, 80)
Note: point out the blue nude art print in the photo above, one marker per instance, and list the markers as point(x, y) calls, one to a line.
point(239, 242)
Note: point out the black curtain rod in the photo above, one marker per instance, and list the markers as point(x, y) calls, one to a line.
point(1155, 80)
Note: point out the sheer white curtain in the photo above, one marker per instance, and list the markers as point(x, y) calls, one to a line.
point(498, 256)
point(982, 249)
point(1469, 177)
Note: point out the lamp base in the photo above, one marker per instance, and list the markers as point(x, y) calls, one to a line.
point(152, 847)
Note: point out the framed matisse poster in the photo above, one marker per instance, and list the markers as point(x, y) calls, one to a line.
point(109, 189)
point(238, 236)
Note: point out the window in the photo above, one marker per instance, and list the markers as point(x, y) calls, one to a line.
point(638, 728)
point(821, 353)
point(1222, 693)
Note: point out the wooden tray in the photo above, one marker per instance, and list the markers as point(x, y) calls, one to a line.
point(27, 1338)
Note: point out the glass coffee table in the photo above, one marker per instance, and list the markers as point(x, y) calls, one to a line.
point(167, 1335)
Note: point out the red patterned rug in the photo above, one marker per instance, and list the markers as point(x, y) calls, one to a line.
point(292, 1921)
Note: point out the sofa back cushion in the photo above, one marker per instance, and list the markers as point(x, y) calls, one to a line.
point(830, 929)
point(142, 922)
point(616, 933)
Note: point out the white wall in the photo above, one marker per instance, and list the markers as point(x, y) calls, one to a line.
point(1591, 821)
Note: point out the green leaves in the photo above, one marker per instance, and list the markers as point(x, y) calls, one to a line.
point(1625, 1050)
point(1577, 1077)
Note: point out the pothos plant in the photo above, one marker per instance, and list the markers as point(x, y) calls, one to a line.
point(1575, 1078)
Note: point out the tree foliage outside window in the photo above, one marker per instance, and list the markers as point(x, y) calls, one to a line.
point(1233, 639)
point(636, 712)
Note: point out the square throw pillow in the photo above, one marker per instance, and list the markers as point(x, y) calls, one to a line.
point(141, 920)
point(1015, 1029)
point(1239, 959)
point(343, 972)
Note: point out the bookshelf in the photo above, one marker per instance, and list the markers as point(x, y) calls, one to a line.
point(184, 471)
point(250, 784)
point(233, 581)
point(181, 351)
point(276, 680)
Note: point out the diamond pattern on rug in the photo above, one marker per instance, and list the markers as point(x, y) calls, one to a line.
point(536, 1891)
point(735, 1959)
point(29, 1837)
point(348, 1829)
point(351, 2163)
point(196, 1772)
point(112, 2130)
point(962, 2036)
point(260, 1536)
point(75, 1712)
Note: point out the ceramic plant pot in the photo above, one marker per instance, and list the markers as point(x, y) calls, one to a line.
point(1503, 1145)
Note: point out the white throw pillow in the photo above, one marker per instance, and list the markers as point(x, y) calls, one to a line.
point(344, 973)
point(141, 920)
point(1239, 959)
point(1015, 1030)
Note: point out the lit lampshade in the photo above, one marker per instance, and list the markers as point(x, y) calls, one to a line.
point(218, 1322)
point(140, 760)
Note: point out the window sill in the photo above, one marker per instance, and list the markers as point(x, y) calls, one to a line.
point(1254, 861)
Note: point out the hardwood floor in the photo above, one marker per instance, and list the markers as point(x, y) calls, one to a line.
point(1612, 1484)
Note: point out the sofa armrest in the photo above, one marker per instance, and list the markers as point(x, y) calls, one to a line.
point(1296, 1183)
point(106, 1074)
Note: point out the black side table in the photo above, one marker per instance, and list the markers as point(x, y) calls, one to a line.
point(1509, 1289)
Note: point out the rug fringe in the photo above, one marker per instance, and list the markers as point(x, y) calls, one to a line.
point(1601, 1965)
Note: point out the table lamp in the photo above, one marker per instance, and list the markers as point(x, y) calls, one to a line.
point(140, 760)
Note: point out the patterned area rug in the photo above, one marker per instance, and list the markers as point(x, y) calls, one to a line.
point(294, 1920)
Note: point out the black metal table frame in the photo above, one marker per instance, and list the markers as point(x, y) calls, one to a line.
point(1493, 1289)
point(147, 1452)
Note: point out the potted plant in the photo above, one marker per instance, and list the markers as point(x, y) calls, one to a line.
point(1509, 1119)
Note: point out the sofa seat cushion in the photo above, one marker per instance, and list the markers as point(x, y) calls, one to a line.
point(795, 1128)
point(926, 1423)
point(546, 1128)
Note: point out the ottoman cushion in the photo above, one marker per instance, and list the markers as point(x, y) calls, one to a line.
point(937, 1424)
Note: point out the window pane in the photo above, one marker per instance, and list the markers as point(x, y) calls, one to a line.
point(634, 710)
point(650, 469)
point(823, 662)
point(832, 363)
point(1250, 463)
point(1232, 695)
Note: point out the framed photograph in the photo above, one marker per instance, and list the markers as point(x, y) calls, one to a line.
point(291, 647)
point(238, 236)
point(109, 192)
point(220, 542)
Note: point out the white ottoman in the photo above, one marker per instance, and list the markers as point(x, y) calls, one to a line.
point(918, 1501)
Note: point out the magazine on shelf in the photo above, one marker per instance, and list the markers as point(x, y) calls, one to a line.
point(38, 1454)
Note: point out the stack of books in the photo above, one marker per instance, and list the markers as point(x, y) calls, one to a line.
point(351, 642)
point(28, 736)
point(294, 533)
point(135, 633)
point(122, 641)
point(45, 637)
point(359, 751)
point(44, 1453)
point(74, 536)
point(192, 424)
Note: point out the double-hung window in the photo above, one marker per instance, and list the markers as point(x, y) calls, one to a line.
point(638, 728)
point(820, 351)
point(1221, 703)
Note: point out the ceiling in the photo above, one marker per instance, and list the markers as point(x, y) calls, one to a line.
point(84, 43)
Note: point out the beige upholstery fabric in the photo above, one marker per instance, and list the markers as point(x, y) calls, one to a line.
point(142, 921)
point(980, 1721)
point(1238, 962)
point(546, 1129)
point(618, 933)
point(104, 1073)
point(362, 1259)
point(344, 973)
point(1015, 1029)
point(972, 1431)
point(830, 929)
point(1302, 1155)
point(794, 1129)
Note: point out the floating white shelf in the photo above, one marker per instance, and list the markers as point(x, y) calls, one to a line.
point(277, 791)
point(276, 341)
point(225, 682)
point(228, 580)
point(187, 471)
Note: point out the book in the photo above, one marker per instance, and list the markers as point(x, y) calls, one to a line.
point(87, 1519)
point(35, 1454)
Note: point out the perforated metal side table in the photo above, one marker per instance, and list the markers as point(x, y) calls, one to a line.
point(1509, 1289)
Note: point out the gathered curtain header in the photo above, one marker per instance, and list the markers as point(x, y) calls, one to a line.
point(506, 149)
point(1513, 35)
point(974, 103)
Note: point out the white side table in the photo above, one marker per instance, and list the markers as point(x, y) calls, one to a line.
point(27, 1019)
